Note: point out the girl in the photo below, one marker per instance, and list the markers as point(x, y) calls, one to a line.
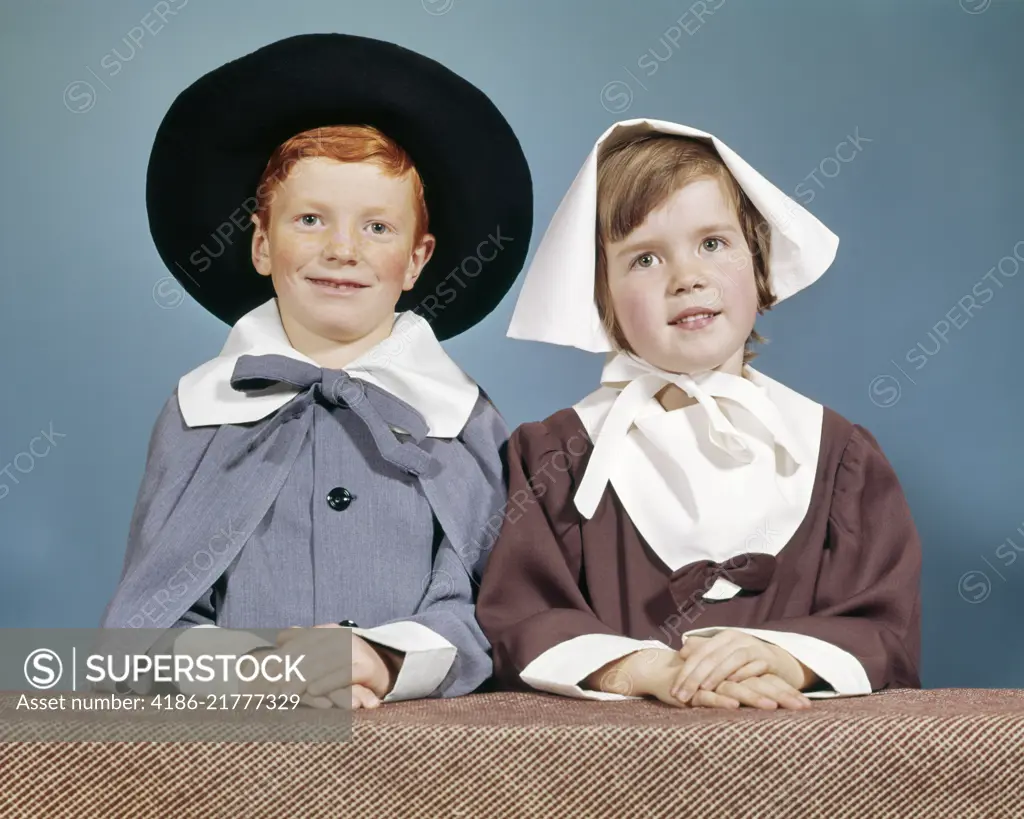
point(693, 530)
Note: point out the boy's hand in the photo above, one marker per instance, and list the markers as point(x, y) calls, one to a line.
point(353, 697)
point(325, 668)
point(732, 656)
point(260, 685)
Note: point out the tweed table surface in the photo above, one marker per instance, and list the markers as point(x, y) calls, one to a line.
point(922, 754)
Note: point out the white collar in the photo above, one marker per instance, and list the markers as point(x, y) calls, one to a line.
point(629, 386)
point(732, 474)
point(410, 364)
point(556, 301)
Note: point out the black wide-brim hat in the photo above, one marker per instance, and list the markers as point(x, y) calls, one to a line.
point(214, 143)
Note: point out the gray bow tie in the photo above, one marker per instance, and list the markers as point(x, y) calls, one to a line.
point(378, 409)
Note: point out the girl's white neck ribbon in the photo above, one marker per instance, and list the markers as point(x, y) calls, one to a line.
point(638, 382)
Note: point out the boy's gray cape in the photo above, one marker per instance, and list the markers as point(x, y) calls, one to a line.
point(206, 489)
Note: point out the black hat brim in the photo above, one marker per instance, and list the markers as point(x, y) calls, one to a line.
point(215, 140)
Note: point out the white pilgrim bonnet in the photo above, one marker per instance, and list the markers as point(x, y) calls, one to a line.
point(550, 307)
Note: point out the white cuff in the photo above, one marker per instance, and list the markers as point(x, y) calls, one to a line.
point(225, 641)
point(559, 669)
point(837, 667)
point(428, 657)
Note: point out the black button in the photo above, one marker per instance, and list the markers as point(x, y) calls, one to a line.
point(339, 498)
point(347, 624)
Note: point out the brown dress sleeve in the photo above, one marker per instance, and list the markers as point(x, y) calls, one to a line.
point(867, 600)
point(530, 597)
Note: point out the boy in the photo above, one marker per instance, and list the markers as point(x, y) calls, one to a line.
point(332, 466)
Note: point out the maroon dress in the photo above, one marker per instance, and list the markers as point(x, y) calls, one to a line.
point(849, 575)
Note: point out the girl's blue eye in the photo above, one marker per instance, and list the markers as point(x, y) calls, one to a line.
point(381, 225)
point(712, 244)
point(309, 219)
point(644, 260)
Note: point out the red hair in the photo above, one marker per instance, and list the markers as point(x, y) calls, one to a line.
point(342, 143)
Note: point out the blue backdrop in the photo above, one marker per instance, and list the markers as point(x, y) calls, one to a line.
point(898, 125)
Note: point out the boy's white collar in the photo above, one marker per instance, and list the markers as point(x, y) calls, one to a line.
point(410, 364)
point(556, 303)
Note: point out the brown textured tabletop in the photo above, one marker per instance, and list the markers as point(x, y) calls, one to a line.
point(939, 753)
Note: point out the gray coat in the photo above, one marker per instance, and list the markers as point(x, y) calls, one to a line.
point(247, 526)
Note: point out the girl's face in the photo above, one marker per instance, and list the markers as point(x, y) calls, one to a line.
point(682, 284)
point(340, 247)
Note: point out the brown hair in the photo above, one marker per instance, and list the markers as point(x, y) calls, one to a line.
point(635, 178)
point(342, 143)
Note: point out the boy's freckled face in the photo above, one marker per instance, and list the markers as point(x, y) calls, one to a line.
point(689, 256)
point(341, 247)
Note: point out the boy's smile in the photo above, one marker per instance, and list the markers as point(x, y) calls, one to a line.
point(682, 284)
point(341, 247)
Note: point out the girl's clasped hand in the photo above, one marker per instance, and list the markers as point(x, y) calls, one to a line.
point(727, 670)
